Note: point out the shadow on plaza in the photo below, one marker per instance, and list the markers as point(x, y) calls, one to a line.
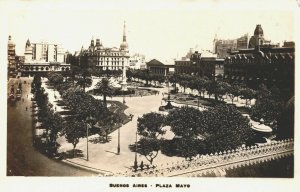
point(70, 154)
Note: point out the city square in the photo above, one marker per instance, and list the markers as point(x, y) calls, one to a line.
point(104, 110)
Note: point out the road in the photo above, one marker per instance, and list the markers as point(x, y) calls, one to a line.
point(22, 158)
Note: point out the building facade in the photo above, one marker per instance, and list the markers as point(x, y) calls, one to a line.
point(11, 55)
point(137, 61)
point(267, 65)
point(43, 52)
point(202, 64)
point(41, 58)
point(107, 58)
point(157, 67)
point(222, 47)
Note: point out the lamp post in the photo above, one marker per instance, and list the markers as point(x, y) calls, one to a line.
point(87, 139)
point(135, 157)
point(118, 152)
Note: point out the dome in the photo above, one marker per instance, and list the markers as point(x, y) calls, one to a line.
point(124, 45)
point(258, 30)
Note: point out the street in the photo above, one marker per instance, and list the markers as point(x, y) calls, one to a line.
point(22, 158)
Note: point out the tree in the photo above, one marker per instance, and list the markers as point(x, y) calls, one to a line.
point(149, 148)
point(226, 128)
point(187, 147)
point(200, 84)
point(150, 127)
point(248, 94)
point(55, 79)
point(73, 131)
point(234, 91)
point(82, 105)
point(104, 88)
point(174, 79)
point(187, 125)
point(185, 122)
point(221, 89)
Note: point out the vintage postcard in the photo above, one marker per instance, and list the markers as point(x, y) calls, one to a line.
point(149, 95)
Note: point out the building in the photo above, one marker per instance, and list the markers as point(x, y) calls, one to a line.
point(258, 38)
point(137, 61)
point(11, 56)
point(262, 63)
point(107, 58)
point(42, 58)
point(157, 67)
point(222, 47)
point(43, 52)
point(267, 65)
point(201, 64)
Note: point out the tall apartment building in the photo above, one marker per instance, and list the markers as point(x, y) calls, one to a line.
point(11, 54)
point(43, 52)
point(222, 47)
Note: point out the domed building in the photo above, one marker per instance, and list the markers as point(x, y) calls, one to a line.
point(262, 64)
point(258, 38)
point(105, 58)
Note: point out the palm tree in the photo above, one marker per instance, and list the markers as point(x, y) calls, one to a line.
point(104, 88)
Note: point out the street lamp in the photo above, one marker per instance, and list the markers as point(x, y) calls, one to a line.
point(87, 138)
point(135, 157)
point(118, 141)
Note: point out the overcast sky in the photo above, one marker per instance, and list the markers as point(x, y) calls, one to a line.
point(158, 29)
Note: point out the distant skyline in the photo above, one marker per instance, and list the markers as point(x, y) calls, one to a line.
point(161, 33)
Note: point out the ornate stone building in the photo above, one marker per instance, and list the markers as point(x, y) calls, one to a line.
point(157, 67)
point(107, 58)
point(201, 64)
point(42, 58)
point(267, 65)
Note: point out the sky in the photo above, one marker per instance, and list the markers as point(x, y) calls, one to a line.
point(158, 29)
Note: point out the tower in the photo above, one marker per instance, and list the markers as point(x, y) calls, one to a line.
point(124, 44)
point(11, 53)
point(124, 50)
point(257, 38)
point(28, 52)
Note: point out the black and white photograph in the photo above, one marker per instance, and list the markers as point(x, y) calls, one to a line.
point(149, 95)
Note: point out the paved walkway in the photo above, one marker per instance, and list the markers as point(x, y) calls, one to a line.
point(103, 156)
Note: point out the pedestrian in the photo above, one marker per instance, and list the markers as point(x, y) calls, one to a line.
point(26, 108)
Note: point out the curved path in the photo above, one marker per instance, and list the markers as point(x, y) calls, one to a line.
point(22, 158)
